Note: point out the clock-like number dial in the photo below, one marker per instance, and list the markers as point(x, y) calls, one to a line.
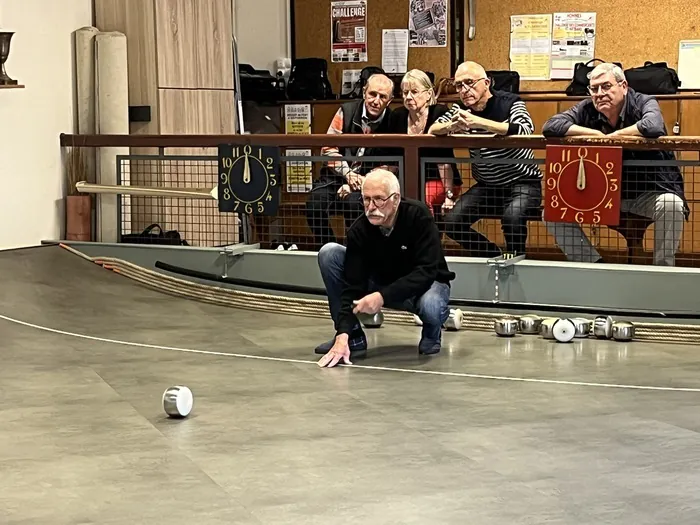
point(248, 181)
point(582, 187)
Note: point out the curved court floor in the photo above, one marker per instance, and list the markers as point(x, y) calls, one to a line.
point(491, 431)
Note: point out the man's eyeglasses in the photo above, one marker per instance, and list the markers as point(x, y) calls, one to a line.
point(602, 88)
point(467, 84)
point(378, 202)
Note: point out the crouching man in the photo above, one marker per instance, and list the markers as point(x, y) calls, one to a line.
point(393, 259)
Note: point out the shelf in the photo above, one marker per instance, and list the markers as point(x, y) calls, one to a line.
point(19, 86)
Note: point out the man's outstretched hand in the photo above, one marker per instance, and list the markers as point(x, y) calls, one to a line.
point(339, 352)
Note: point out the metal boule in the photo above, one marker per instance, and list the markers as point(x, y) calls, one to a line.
point(546, 327)
point(602, 327)
point(582, 325)
point(623, 331)
point(178, 401)
point(530, 324)
point(454, 321)
point(372, 321)
point(506, 327)
point(563, 330)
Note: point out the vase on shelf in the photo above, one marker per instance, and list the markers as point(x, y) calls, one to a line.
point(5, 38)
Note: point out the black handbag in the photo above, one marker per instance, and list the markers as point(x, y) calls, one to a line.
point(308, 80)
point(147, 236)
point(653, 78)
point(579, 84)
point(504, 81)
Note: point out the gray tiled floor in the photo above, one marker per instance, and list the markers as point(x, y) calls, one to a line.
point(84, 438)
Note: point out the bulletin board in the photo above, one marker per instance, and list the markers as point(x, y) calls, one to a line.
point(312, 29)
point(628, 31)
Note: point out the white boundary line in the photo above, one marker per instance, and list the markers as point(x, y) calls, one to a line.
point(363, 367)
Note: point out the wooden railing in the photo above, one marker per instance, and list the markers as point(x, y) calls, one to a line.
point(411, 147)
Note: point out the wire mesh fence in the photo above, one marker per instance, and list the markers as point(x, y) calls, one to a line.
point(484, 207)
point(196, 221)
point(642, 214)
point(320, 199)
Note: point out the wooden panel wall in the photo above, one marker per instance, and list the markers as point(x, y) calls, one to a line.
point(194, 44)
point(628, 31)
point(313, 37)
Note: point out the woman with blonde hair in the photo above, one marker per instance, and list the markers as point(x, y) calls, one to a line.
point(420, 110)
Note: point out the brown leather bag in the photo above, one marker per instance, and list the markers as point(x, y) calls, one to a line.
point(446, 86)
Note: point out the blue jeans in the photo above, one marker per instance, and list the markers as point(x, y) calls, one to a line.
point(432, 307)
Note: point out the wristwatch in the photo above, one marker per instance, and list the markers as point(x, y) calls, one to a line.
point(450, 195)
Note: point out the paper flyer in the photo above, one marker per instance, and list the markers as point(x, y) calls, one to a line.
point(349, 31)
point(395, 50)
point(573, 41)
point(427, 23)
point(297, 119)
point(531, 46)
point(299, 176)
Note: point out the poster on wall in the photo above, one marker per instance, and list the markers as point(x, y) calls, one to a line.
point(297, 119)
point(349, 31)
point(531, 46)
point(573, 40)
point(299, 173)
point(427, 23)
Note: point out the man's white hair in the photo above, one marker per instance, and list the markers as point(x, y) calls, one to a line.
point(387, 178)
point(607, 67)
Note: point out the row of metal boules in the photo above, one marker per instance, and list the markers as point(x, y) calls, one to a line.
point(454, 321)
point(565, 329)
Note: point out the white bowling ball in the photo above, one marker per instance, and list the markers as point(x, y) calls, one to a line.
point(178, 401)
point(564, 330)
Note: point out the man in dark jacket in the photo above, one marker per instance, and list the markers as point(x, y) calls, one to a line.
point(648, 190)
point(337, 190)
point(393, 258)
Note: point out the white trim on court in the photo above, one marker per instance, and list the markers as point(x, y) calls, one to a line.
point(363, 367)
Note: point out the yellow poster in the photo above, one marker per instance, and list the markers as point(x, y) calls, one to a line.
point(297, 119)
point(531, 46)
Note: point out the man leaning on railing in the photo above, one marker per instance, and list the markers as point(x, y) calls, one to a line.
point(337, 190)
point(651, 191)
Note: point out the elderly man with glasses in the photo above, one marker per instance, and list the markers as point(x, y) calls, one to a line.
point(505, 188)
point(652, 190)
point(393, 259)
point(337, 189)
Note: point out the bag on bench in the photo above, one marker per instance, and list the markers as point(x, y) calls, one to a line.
point(309, 80)
point(504, 81)
point(147, 236)
point(653, 79)
point(579, 84)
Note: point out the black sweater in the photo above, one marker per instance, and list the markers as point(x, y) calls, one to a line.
point(402, 265)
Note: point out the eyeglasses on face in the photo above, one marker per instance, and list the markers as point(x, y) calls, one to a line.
point(413, 92)
point(601, 88)
point(378, 202)
point(467, 84)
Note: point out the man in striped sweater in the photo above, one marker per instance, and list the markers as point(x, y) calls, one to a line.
point(510, 191)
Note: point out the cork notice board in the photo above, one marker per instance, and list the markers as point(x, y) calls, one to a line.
point(627, 31)
point(313, 37)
